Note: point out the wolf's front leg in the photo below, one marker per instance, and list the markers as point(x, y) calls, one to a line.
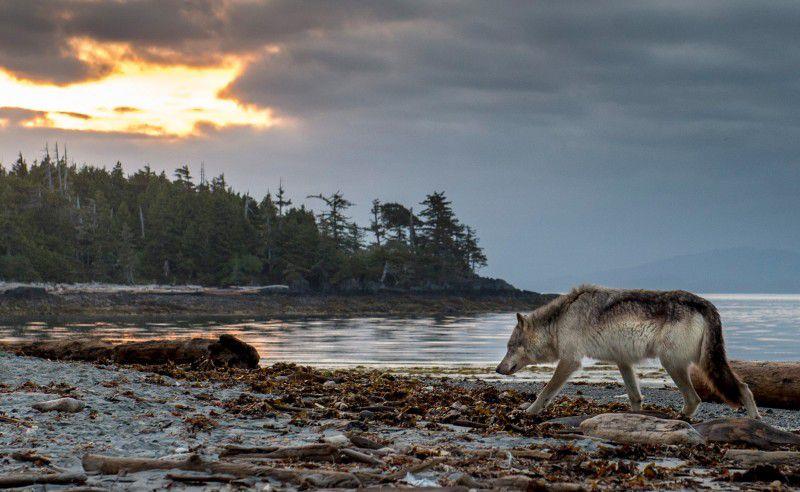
point(631, 385)
point(564, 370)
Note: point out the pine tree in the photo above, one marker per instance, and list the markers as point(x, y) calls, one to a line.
point(333, 222)
point(281, 201)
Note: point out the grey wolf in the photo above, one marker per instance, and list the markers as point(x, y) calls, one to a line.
point(626, 327)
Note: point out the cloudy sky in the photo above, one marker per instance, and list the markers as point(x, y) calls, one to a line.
point(575, 136)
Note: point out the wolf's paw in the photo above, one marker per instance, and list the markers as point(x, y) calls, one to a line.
point(533, 410)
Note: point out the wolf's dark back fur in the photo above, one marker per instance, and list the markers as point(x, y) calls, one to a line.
point(553, 310)
point(665, 306)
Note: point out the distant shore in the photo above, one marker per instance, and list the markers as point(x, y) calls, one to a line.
point(37, 304)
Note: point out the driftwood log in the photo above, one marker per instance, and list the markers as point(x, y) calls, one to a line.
point(753, 457)
point(774, 384)
point(110, 465)
point(227, 351)
point(14, 480)
point(747, 432)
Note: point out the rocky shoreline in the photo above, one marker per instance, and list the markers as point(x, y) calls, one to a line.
point(156, 427)
point(120, 305)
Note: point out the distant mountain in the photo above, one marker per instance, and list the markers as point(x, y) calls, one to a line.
point(742, 270)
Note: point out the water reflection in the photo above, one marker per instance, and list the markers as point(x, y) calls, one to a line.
point(756, 327)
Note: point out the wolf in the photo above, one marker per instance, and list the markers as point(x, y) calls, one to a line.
point(626, 327)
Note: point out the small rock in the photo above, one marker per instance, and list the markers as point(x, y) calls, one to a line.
point(69, 405)
point(355, 425)
point(329, 383)
point(451, 415)
point(366, 414)
point(338, 440)
point(761, 473)
point(640, 429)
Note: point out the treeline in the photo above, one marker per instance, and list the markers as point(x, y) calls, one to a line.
point(65, 223)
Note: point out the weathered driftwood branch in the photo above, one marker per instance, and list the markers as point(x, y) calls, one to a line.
point(774, 384)
point(360, 457)
point(748, 432)
point(234, 450)
point(310, 452)
point(12, 480)
point(110, 465)
point(226, 350)
point(752, 457)
point(197, 479)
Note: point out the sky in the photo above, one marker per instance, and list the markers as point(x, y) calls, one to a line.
point(574, 136)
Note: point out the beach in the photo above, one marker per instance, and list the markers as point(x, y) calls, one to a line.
point(172, 413)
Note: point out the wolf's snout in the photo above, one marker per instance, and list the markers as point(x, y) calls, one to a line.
point(506, 366)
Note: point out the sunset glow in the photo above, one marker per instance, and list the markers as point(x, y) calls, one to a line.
point(136, 97)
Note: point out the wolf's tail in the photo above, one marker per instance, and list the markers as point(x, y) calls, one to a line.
point(714, 361)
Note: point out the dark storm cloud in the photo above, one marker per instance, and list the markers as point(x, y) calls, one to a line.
point(576, 136)
point(34, 34)
point(32, 44)
point(716, 63)
point(713, 63)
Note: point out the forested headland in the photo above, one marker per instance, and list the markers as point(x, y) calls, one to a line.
point(61, 222)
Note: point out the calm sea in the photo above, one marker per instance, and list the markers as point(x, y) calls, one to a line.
point(756, 327)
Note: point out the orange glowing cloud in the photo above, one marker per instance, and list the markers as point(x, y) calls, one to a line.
point(135, 96)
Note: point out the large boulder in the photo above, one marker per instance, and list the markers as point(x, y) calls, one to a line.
point(631, 428)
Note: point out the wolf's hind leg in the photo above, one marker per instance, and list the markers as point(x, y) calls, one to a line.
point(680, 374)
point(631, 385)
point(748, 401)
point(564, 370)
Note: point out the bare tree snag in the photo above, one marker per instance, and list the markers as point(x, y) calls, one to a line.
point(227, 351)
point(774, 384)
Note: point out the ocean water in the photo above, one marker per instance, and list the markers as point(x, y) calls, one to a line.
point(757, 327)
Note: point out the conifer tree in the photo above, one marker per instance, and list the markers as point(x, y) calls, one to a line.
point(102, 225)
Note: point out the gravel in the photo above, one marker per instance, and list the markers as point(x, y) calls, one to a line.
point(666, 396)
point(132, 413)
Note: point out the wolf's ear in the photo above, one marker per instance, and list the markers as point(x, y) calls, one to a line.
point(521, 319)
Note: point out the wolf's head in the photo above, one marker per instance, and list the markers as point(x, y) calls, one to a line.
point(528, 344)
